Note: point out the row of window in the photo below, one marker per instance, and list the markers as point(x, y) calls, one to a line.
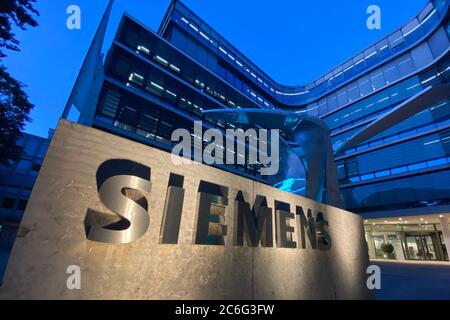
point(373, 106)
point(219, 67)
point(406, 64)
point(418, 58)
point(391, 45)
point(393, 137)
point(14, 203)
point(398, 170)
point(200, 83)
point(396, 94)
point(410, 191)
point(145, 120)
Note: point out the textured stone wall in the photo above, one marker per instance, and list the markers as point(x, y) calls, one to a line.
point(146, 269)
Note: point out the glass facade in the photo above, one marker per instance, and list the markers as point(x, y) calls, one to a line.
point(419, 241)
point(156, 82)
point(16, 183)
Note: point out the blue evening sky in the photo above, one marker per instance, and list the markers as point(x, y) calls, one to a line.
point(293, 41)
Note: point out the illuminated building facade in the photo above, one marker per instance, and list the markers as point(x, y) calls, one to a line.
point(388, 165)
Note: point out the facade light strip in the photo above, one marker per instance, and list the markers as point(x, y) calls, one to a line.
point(431, 142)
point(409, 88)
point(193, 27)
point(156, 85)
point(174, 68)
point(412, 30)
point(143, 49)
point(348, 68)
point(373, 53)
point(429, 79)
point(171, 93)
point(204, 35)
point(438, 106)
point(161, 60)
point(223, 50)
point(428, 17)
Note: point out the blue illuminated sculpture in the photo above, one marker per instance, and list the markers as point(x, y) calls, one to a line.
point(306, 145)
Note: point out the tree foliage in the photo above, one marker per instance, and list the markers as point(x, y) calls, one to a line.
point(14, 104)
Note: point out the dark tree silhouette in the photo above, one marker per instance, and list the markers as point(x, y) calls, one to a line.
point(14, 104)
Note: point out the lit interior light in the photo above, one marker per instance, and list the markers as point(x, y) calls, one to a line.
point(426, 222)
point(156, 85)
point(143, 49)
point(400, 219)
point(162, 60)
point(174, 68)
point(193, 27)
point(365, 221)
point(421, 219)
point(441, 216)
point(385, 221)
point(171, 93)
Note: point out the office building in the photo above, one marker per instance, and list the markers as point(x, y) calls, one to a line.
point(17, 179)
point(387, 109)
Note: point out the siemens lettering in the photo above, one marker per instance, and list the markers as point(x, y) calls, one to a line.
point(124, 187)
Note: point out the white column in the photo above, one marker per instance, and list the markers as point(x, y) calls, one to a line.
point(446, 233)
point(370, 245)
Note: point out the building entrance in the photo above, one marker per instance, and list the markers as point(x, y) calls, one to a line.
point(421, 246)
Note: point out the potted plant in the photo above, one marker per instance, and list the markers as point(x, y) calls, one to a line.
point(388, 249)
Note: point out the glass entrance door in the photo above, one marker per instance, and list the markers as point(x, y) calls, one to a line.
point(420, 246)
